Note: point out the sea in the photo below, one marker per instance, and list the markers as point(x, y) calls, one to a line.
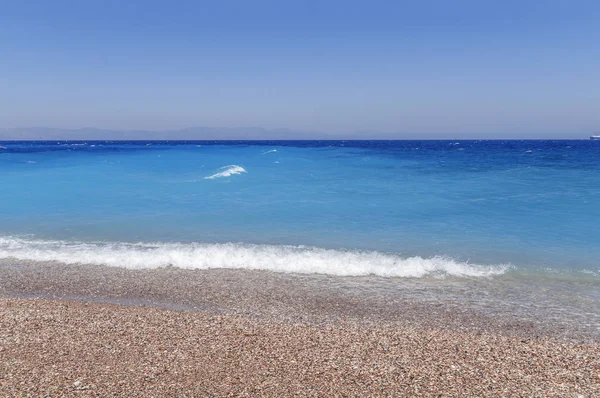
point(516, 220)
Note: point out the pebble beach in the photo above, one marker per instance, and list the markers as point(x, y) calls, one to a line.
point(66, 348)
point(101, 331)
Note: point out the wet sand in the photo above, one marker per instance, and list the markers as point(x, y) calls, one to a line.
point(314, 299)
point(100, 331)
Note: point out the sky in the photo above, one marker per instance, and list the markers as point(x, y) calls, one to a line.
point(403, 69)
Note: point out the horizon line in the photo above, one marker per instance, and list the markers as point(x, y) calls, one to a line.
point(256, 134)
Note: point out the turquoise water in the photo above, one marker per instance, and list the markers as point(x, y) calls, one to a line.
point(388, 208)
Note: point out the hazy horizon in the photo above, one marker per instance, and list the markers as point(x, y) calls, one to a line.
point(241, 133)
point(400, 70)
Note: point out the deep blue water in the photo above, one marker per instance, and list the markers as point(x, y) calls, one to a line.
point(391, 208)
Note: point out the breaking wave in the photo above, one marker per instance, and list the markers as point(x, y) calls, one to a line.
point(227, 171)
point(295, 259)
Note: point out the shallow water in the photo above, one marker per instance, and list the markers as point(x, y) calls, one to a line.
point(506, 307)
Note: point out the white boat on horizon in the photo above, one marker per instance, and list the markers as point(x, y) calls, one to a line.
point(595, 137)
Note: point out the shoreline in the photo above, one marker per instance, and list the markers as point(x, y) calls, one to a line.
point(475, 306)
point(100, 331)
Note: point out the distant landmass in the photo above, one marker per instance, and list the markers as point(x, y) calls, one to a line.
point(191, 133)
point(245, 133)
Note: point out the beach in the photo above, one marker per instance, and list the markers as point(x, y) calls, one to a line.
point(103, 331)
point(312, 268)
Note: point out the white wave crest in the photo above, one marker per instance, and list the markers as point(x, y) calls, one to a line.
point(227, 171)
point(271, 151)
point(295, 259)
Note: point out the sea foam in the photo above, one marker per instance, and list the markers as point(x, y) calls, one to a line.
point(227, 171)
point(295, 259)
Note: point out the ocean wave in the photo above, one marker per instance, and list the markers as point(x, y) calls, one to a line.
point(227, 171)
point(294, 259)
point(271, 151)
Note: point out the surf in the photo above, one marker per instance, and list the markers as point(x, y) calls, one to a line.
point(276, 258)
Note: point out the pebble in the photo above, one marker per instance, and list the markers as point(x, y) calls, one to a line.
point(144, 351)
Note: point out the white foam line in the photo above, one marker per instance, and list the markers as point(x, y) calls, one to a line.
point(296, 259)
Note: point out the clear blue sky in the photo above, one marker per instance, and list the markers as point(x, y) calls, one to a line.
point(417, 69)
